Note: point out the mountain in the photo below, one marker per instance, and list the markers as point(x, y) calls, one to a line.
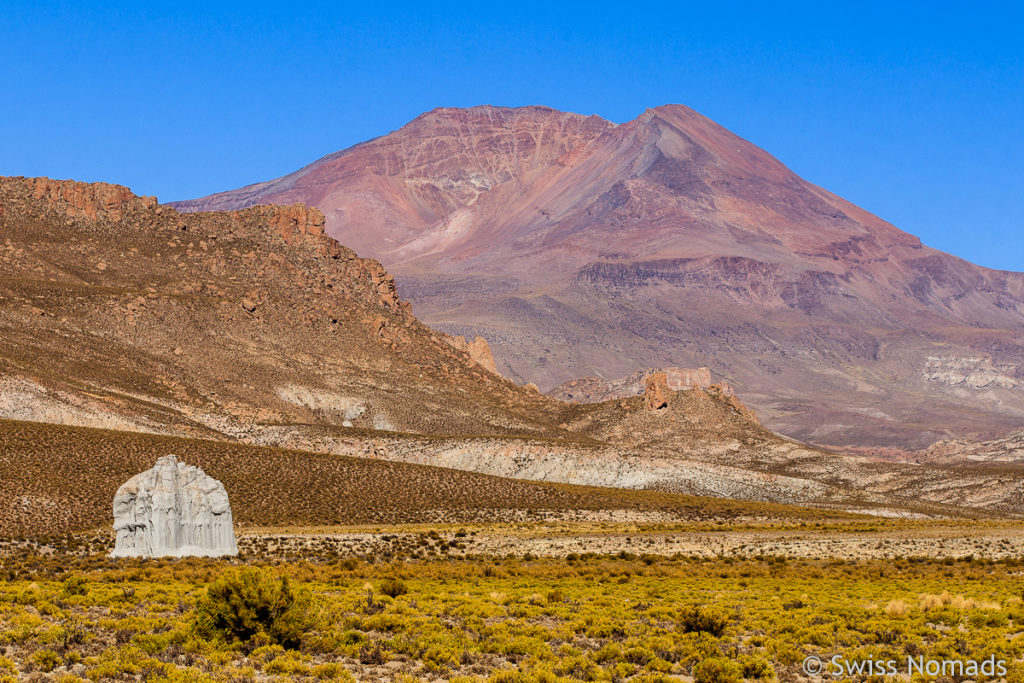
point(254, 327)
point(578, 247)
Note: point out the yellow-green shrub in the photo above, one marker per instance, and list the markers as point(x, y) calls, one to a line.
point(254, 605)
point(717, 670)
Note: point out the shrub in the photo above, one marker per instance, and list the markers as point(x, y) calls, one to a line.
point(393, 587)
point(121, 663)
point(757, 668)
point(7, 665)
point(717, 670)
point(188, 676)
point(372, 654)
point(638, 655)
point(333, 671)
point(507, 676)
point(46, 660)
point(74, 585)
point(287, 665)
point(254, 606)
point(66, 677)
point(441, 658)
point(700, 620)
point(896, 608)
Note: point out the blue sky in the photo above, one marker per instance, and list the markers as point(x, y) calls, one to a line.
point(914, 111)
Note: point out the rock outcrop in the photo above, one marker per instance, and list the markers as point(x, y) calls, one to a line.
point(92, 201)
point(478, 349)
point(173, 510)
point(595, 389)
point(1008, 449)
point(296, 222)
point(656, 392)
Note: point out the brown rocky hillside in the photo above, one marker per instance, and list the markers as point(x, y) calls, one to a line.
point(116, 311)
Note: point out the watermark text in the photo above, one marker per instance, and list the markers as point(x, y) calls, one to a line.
point(839, 666)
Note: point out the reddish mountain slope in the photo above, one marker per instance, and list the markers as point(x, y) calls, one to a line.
point(578, 247)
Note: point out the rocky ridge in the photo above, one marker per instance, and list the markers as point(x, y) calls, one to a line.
point(85, 200)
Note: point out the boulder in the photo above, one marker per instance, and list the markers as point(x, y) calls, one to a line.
point(174, 510)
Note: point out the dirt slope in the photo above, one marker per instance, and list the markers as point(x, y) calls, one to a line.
point(59, 479)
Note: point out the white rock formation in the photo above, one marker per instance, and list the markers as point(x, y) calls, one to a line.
point(173, 510)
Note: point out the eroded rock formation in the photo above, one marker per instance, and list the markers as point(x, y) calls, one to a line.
point(478, 349)
point(595, 389)
point(656, 392)
point(173, 510)
point(87, 200)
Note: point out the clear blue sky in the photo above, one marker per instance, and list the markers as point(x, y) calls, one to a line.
point(914, 111)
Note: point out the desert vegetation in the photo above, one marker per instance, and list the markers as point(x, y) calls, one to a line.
point(582, 617)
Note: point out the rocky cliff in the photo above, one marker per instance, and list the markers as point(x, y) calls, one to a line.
point(92, 201)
